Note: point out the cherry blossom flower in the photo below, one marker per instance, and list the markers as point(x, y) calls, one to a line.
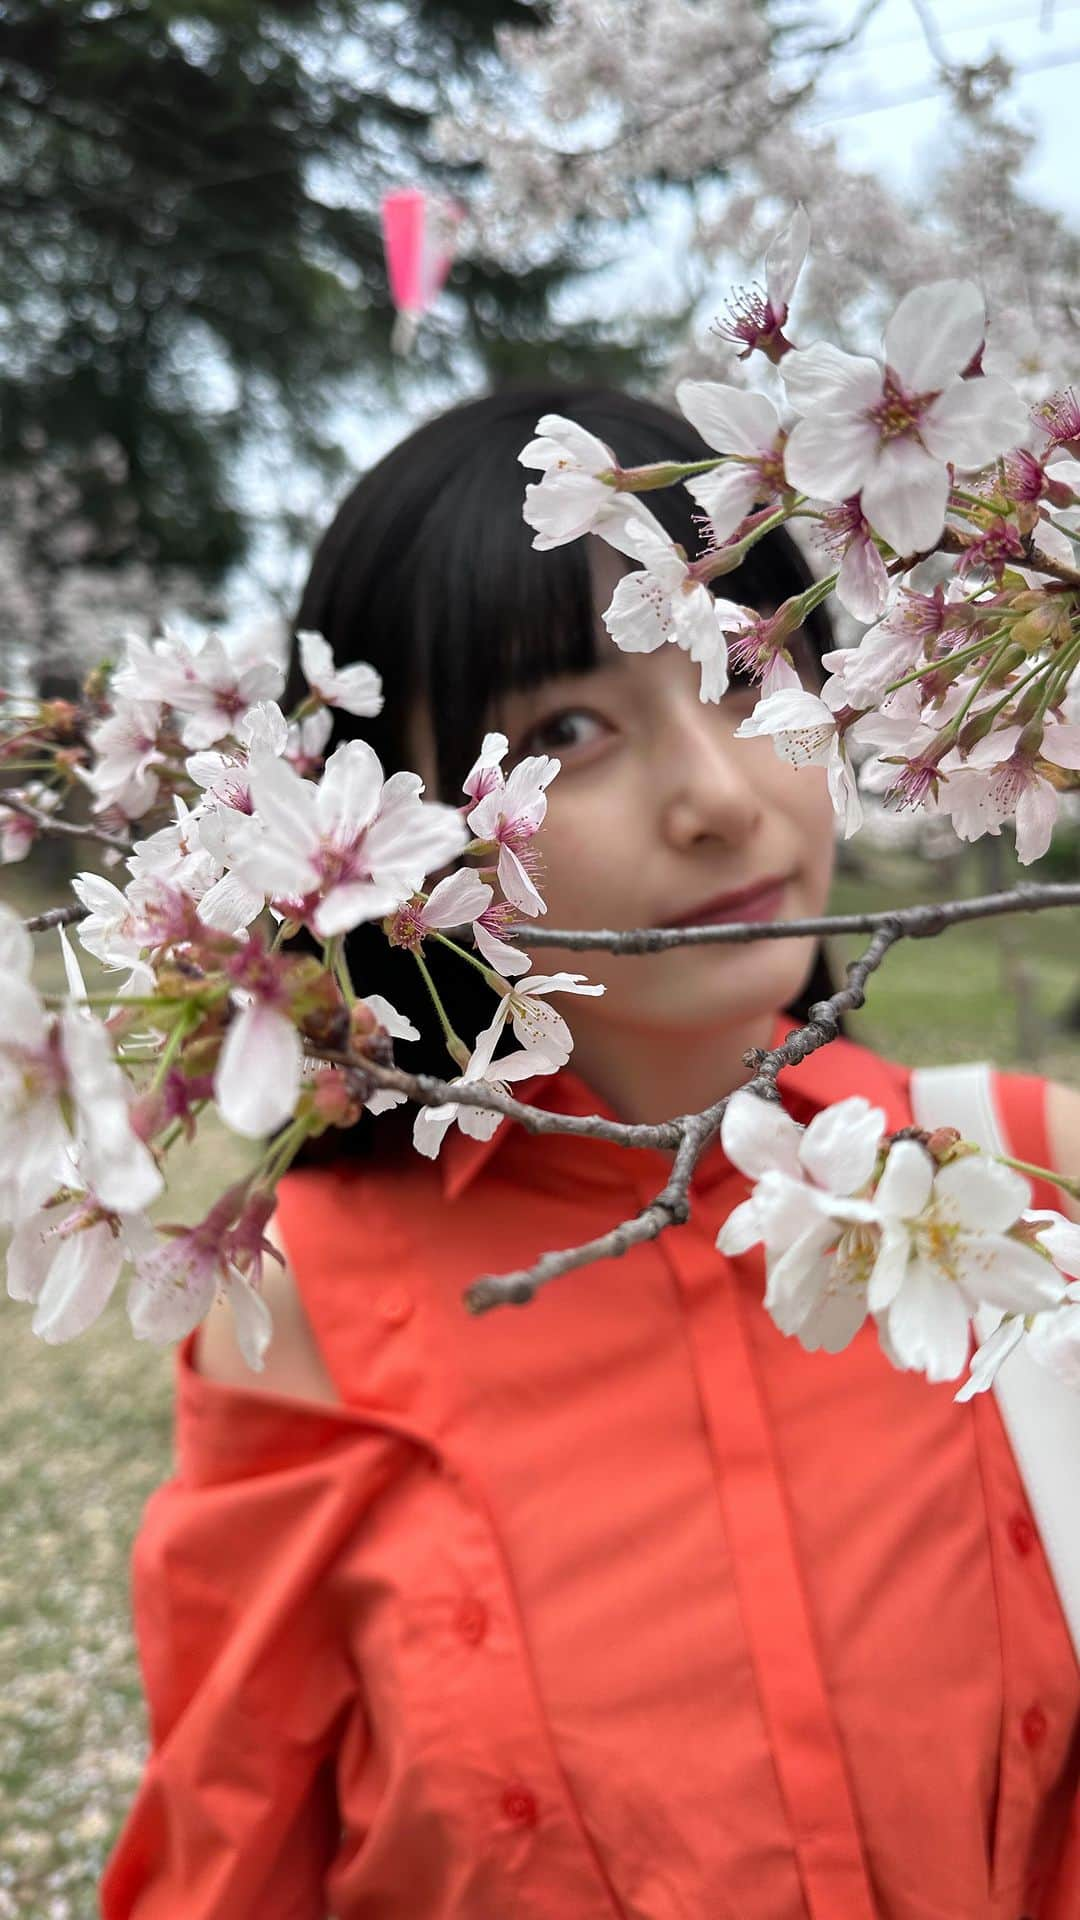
point(539, 1028)
point(946, 1248)
point(456, 901)
point(756, 320)
point(176, 1280)
point(432, 1123)
point(747, 426)
point(396, 1025)
point(862, 583)
point(257, 1078)
point(461, 899)
point(307, 738)
point(806, 1210)
point(888, 434)
point(486, 774)
point(356, 689)
point(66, 1260)
point(17, 832)
point(889, 650)
point(1001, 779)
point(805, 732)
point(113, 930)
point(509, 814)
point(351, 848)
point(664, 601)
point(126, 749)
point(570, 500)
point(60, 1090)
point(210, 685)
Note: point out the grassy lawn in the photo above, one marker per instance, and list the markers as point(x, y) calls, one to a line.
point(85, 1429)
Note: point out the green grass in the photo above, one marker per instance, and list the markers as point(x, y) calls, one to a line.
point(85, 1428)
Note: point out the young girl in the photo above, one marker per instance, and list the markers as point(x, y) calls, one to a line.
point(623, 1605)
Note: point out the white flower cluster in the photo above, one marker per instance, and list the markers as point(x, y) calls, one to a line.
point(212, 1012)
point(966, 697)
point(919, 1233)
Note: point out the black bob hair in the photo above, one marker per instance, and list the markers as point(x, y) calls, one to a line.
point(428, 572)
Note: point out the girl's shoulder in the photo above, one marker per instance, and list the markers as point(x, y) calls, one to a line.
point(323, 1211)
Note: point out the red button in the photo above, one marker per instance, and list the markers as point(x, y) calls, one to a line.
point(395, 1306)
point(1021, 1533)
point(472, 1620)
point(1033, 1727)
point(519, 1806)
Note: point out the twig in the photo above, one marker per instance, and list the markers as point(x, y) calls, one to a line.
point(915, 923)
point(55, 917)
point(48, 825)
point(671, 1207)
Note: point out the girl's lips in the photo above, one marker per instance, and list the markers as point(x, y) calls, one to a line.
point(758, 903)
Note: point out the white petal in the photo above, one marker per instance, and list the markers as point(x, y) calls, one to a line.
point(726, 496)
point(862, 585)
point(929, 1324)
point(16, 944)
point(934, 333)
point(358, 689)
point(1062, 1242)
point(823, 375)
point(388, 1016)
point(1054, 1341)
point(887, 1274)
point(987, 1358)
point(973, 421)
point(840, 1145)
point(430, 1125)
point(830, 455)
point(1006, 1274)
point(79, 1284)
point(741, 1230)
point(457, 900)
point(349, 791)
point(728, 418)
point(639, 618)
point(757, 1135)
point(784, 259)
point(799, 1277)
point(257, 1079)
point(1036, 818)
point(516, 884)
point(499, 953)
point(251, 1320)
point(905, 495)
point(565, 438)
point(906, 1183)
point(982, 1195)
point(350, 905)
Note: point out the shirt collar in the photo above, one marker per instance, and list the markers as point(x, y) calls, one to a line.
point(833, 1072)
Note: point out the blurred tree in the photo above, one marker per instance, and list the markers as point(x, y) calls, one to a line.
point(193, 262)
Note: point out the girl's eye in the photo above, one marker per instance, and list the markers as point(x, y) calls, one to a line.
point(561, 732)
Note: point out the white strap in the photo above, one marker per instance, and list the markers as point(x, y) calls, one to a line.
point(1040, 1413)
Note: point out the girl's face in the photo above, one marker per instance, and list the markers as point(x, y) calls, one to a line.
point(657, 811)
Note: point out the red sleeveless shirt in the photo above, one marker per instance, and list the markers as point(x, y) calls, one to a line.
point(618, 1607)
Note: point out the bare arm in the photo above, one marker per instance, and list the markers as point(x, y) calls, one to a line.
point(293, 1366)
point(1063, 1127)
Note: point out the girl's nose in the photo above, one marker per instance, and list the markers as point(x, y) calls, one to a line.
point(706, 784)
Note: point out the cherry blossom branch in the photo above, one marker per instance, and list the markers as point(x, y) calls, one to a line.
point(671, 1206)
point(46, 823)
point(916, 923)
